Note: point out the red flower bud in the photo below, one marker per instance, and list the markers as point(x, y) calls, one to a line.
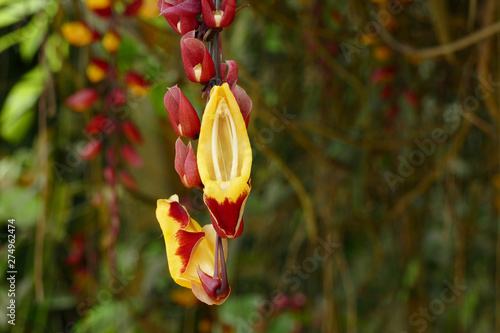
point(230, 73)
point(198, 64)
point(131, 157)
point(131, 132)
point(116, 97)
point(185, 164)
point(218, 18)
point(299, 300)
point(127, 180)
point(82, 100)
point(109, 175)
point(97, 124)
point(411, 98)
point(111, 156)
point(136, 83)
point(386, 93)
point(133, 8)
point(91, 150)
point(281, 302)
point(183, 117)
point(244, 102)
point(181, 15)
point(383, 74)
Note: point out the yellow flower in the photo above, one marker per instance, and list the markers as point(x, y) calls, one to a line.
point(111, 41)
point(191, 252)
point(224, 161)
point(77, 33)
point(98, 4)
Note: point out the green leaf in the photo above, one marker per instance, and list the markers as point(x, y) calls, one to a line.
point(56, 50)
point(36, 30)
point(18, 10)
point(18, 112)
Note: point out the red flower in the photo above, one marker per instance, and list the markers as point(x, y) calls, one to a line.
point(244, 102)
point(131, 157)
point(198, 64)
point(383, 74)
point(82, 100)
point(183, 117)
point(127, 180)
point(136, 83)
point(133, 8)
point(180, 14)
point(116, 97)
point(109, 175)
point(218, 18)
point(91, 150)
point(185, 164)
point(97, 124)
point(131, 132)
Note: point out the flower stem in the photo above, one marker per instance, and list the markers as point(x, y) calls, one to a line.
point(216, 58)
point(216, 266)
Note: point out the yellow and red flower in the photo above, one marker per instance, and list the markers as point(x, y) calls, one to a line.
point(193, 252)
point(77, 33)
point(224, 161)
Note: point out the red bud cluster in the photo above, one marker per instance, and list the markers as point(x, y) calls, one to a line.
point(108, 132)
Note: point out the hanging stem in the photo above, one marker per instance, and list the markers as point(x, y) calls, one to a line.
point(216, 266)
point(224, 287)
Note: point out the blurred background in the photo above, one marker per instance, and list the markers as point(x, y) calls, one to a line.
point(375, 181)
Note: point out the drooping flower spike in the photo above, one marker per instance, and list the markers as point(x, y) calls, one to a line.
point(196, 256)
point(224, 161)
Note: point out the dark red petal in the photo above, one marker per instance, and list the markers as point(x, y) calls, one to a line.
point(180, 157)
point(187, 241)
point(179, 213)
point(226, 215)
point(191, 174)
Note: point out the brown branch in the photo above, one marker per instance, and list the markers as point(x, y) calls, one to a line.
point(441, 50)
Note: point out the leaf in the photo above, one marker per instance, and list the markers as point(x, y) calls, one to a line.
point(56, 50)
point(18, 10)
point(18, 112)
point(35, 30)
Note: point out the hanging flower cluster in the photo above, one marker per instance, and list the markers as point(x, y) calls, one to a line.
point(110, 133)
point(222, 163)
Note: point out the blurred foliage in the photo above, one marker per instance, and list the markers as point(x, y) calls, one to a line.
point(375, 185)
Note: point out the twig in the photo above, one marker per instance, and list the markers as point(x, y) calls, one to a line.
point(441, 50)
point(304, 198)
